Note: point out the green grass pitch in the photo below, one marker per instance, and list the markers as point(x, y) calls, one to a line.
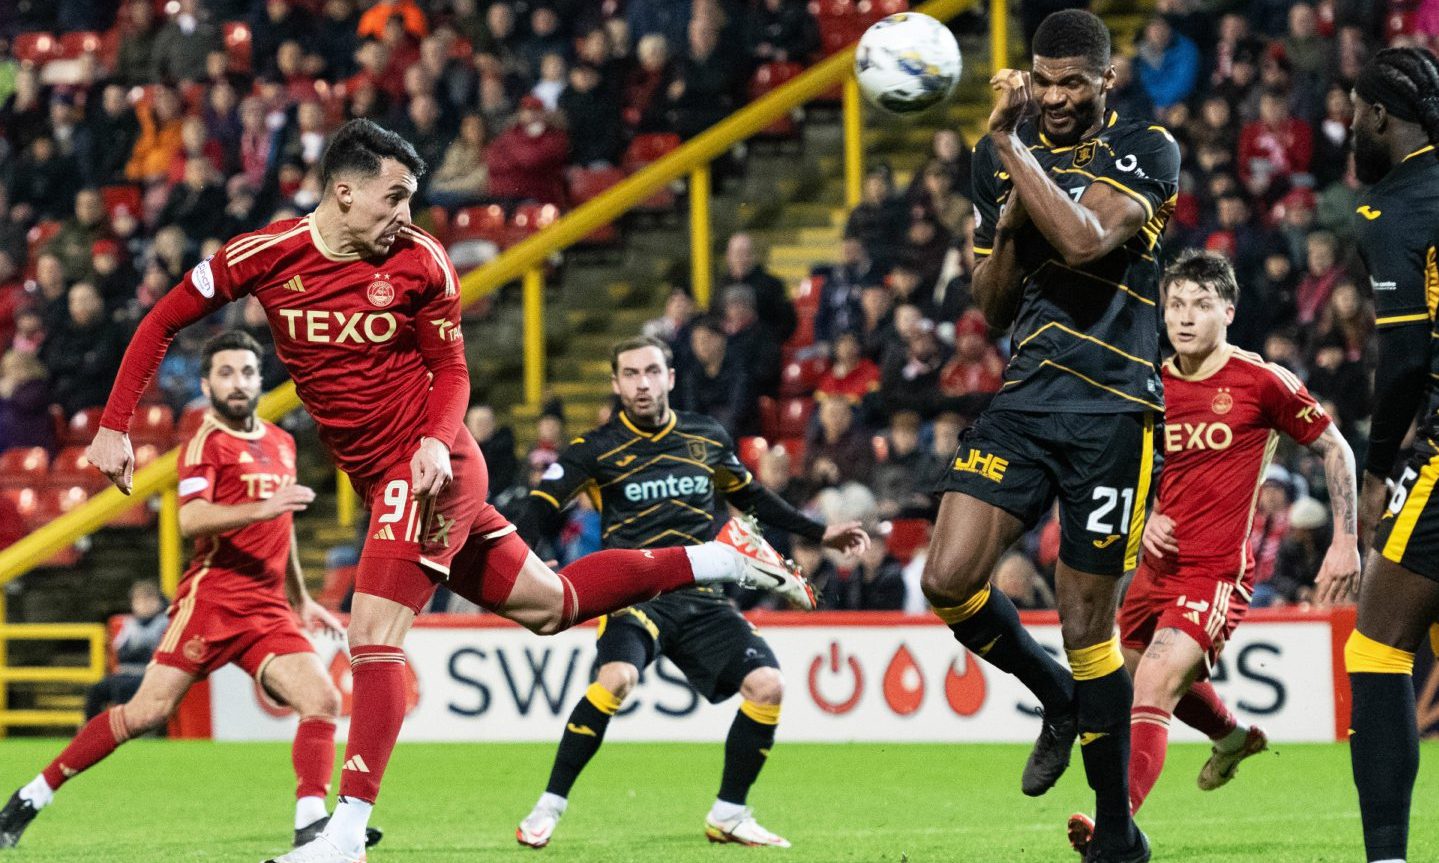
point(156, 800)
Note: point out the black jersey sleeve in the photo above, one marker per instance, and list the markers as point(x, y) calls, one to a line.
point(1400, 381)
point(1402, 268)
point(541, 513)
point(741, 490)
point(1145, 167)
point(986, 196)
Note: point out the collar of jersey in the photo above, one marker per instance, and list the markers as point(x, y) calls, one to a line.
point(1048, 145)
point(1173, 363)
point(655, 435)
point(324, 247)
point(217, 425)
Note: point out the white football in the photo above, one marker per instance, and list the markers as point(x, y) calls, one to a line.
point(907, 63)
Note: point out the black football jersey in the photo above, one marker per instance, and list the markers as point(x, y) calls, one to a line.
point(1398, 228)
point(1086, 339)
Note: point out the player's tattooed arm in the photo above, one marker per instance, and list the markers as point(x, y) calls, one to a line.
point(1339, 572)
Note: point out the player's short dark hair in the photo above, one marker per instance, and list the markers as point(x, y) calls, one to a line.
point(230, 340)
point(634, 343)
point(1073, 33)
point(1204, 268)
point(360, 145)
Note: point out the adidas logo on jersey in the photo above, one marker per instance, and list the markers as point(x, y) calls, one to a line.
point(384, 533)
point(294, 284)
point(357, 764)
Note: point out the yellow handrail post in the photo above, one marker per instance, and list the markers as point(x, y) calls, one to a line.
point(170, 550)
point(534, 300)
point(344, 499)
point(998, 35)
point(853, 142)
point(700, 242)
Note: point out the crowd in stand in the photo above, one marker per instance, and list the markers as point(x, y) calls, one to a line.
point(133, 162)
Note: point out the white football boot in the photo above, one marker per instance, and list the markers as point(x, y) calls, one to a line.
point(742, 829)
point(321, 849)
point(537, 828)
point(764, 568)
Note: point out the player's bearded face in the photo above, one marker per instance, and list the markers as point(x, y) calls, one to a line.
point(643, 381)
point(1195, 318)
point(1371, 158)
point(233, 384)
point(1069, 94)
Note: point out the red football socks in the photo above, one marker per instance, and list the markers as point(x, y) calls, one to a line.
point(618, 578)
point(1148, 739)
point(1201, 709)
point(96, 740)
point(313, 755)
point(378, 675)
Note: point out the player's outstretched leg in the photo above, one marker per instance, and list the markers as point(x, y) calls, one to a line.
point(1396, 607)
point(160, 691)
point(751, 736)
point(968, 539)
point(584, 732)
point(1202, 710)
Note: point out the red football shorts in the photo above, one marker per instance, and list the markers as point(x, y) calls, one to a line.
point(457, 539)
point(210, 628)
point(1205, 607)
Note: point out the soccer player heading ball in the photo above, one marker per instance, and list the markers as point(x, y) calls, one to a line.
point(1396, 130)
point(1071, 202)
point(365, 312)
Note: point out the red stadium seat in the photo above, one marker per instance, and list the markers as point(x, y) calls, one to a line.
point(480, 223)
point(26, 502)
point(25, 466)
point(648, 148)
point(532, 218)
point(145, 454)
point(587, 183)
point(751, 449)
point(35, 49)
point(804, 329)
point(39, 236)
point(906, 537)
point(809, 291)
point(440, 224)
point(126, 196)
point(870, 11)
point(81, 428)
point(70, 467)
point(80, 42)
point(238, 45)
point(189, 424)
point(768, 77)
point(153, 424)
point(800, 377)
point(56, 500)
point(792, 417)
point(794, 448)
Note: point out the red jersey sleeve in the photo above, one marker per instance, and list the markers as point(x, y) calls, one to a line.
point(442, 345)
point(1289, 406)
point(197, 474)
point(206, 287)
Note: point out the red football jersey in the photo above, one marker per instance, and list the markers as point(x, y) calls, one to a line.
point(1220, 432)
point(363, 340)
point(228, 467)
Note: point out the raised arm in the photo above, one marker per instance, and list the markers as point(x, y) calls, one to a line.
point(998, 284)
point(1340, 571)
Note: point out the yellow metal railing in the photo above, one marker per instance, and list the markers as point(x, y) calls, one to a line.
point(80, 675)
point(525, 261)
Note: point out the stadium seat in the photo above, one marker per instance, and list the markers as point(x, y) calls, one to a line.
point(39, 236)
point(804, 329)
point(25, 501)
point(768, 77)
point(25, 466)
point(189, 424)
point(35, 49)
point(70, 467)
point(238, 45)
point(153, 424)
point(480, 223)
point(794, 447)
point(124, 195)
point(80, 42)
point(585, 184)
point(800, 377)
point(532, 218)
point(870, 11)
point(792, 417)
point(642, 151)
point(145, 454)
point(808, 294)
point(906, 537)
point(81, 428)
point(751, 449)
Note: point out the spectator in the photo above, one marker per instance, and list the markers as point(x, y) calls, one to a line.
point(275, 23)
point(462, 177)
point(83, 353)
point(1214, 127)
point(497, 444)
point(839, 450)
point(1338, 201)
point(1341, 381)
point(411, 16)
point(667, 19)
point(852, 376)
point(902, 480)
point(938, 199)
point(702, 91)
point(743, 267)
point(714, 383)
point(134, 56)
point(839, 308)
point(1234, 43)
point(820, 570)
point(672, 327)
point(1275, 147)
point(421, 127)
point(111, 272)
point(1331, 138)
point(1307, 51)
point(24, 115)
point(1128, 97)
point(24, 402)
point(139, 636)
point(876, 326)
point(1267, 302)
point(1270, 524)
point(909, 380)
point(880, 219)
point(182, 45)
point(1238, 236)
point(644, 88)
point(1349, 319)
point(527, 159)
point(43, 182)
point(877, 581)
point(336, 38)
point(545, 38)
point(977, 366)
point(1322, 272)
point(1295, 217)
point(51, 286)
point(751, 344)
point(1299, 557)
point(160, 137)
point(1168, 63)
point(782, 31)
point(1017, 578)
point(553, 79)
point(197, 205)
point(504, 44)
point(72, 244)
point(589, 106)
point(593, 48)
point(925, 245)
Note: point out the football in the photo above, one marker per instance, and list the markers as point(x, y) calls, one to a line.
point(907, 63)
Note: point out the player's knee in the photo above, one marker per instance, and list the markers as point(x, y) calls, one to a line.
point(950, 578)
point(620, 678)
point(546, 623)
point(323, 701)
point(145, 715)
point(764, 686)
point(1158, 686)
